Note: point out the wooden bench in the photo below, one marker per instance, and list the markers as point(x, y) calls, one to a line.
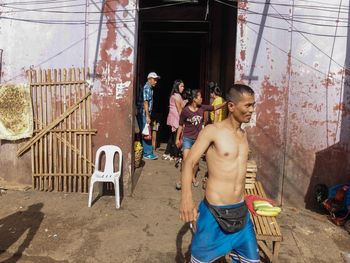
point(268, 232)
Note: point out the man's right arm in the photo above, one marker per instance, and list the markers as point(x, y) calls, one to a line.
point(145, 106)
point(188, 211)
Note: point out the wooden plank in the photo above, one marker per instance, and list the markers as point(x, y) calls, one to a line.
point(51, 125)
point(62, 174)
point(265, 249)
point(77, 73)
point(45, 122)
point(74, 124)
point(30, 75)
point(84, 126)
point(89, 127)
point(40, 117)
point(35, 110)
point(58, 83)
point(250, 181)
point(52, 140)
point(251, 174)
point(78, 131)
point(266, 225)
point(29, 79)
point(67, 103)
point(276, 249)
point(55, 79)
point(251, 166)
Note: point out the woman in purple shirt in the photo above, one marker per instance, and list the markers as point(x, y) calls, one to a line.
point(190, 124)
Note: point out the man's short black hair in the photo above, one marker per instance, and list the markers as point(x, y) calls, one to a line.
point(235, 92)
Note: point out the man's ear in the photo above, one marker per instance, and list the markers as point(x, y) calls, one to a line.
point(231, 105)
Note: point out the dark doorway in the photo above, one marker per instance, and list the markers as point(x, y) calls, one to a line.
point(173, 55)
point(191, 41)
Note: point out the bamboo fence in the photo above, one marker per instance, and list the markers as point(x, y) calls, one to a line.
point(61, 149)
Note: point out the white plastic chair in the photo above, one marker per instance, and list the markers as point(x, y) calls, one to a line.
point(108, 175)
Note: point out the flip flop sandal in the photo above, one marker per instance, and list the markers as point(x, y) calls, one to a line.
point(178, 186)
point(195, 184)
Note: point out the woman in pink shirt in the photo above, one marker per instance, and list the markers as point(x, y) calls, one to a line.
point(176, 104)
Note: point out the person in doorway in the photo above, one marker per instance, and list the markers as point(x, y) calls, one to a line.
point(145, 106)
point(190, 124)
point(226, 147)
point(215, 95)
point(176, 104)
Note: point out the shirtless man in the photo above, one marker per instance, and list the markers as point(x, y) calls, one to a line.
point(226, 147)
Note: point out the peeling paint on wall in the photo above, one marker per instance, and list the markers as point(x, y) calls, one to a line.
point(303, 99)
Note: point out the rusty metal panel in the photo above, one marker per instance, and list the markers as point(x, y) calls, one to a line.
point(296, 69)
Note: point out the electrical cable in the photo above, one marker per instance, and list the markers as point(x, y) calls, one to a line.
point(277, 16)
point(287, 30)
point(280, 16)
point(145, 8)
point(36, 2)
point(307, 7)
point(287, 52)
point(68, 22)
point(314, 45)
point(297, 31)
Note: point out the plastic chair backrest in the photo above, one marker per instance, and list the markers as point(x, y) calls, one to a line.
point(110, 151)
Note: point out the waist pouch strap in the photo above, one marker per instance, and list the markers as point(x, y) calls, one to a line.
point(230, 220)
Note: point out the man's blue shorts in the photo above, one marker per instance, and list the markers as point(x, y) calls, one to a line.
point(187, 143)
point(210, 242)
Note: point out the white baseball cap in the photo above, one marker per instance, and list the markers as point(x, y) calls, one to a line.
point(153, 75)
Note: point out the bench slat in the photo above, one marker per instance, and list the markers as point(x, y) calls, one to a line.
point(264, 226)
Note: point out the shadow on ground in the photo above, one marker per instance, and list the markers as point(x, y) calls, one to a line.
point(20, 223)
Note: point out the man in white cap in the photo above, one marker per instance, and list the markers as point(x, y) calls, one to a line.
point(145, 106)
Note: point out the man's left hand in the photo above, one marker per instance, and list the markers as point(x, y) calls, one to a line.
point(188, 211)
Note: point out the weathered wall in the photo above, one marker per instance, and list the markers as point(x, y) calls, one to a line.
point(62, 36)
point(300, 137)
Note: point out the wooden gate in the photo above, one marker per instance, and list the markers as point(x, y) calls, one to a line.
point(61, 147)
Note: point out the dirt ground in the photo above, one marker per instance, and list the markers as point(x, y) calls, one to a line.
point(59, 227)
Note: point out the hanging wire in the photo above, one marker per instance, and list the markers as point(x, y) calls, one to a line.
point(287, 52)
point(38, 2)
point(329, 8)
point(294, 30)
point(69, 22)
point(287, 30)
point(313, 44)
point(51, 10)
point(81, 22)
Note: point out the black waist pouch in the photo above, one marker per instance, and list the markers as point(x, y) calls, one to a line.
point(230, 219)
